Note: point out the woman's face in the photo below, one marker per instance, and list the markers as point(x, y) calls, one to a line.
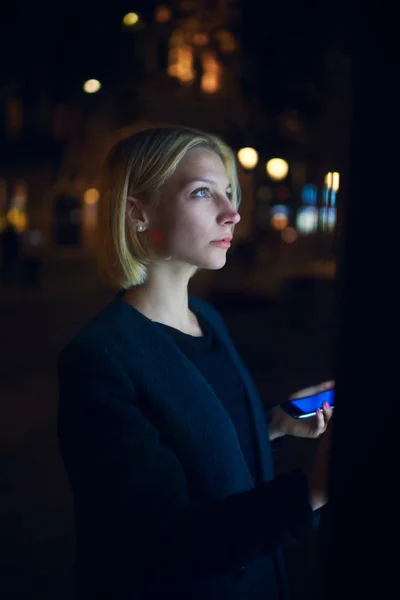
point(194, 212)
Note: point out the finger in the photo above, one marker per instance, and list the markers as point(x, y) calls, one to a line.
point(309, 391)
point(320, 425)
point(326, 385)
point(327, 411)
point(312, 390)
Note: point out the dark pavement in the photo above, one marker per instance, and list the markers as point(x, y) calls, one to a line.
point(287, 344)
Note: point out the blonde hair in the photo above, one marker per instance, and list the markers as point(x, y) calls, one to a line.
point(135, 166)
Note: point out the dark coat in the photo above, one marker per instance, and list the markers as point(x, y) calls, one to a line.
point(165, 504)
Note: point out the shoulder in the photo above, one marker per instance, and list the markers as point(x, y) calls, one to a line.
point(100, 338)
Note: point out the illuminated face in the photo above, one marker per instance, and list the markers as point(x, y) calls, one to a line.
point(194, 215)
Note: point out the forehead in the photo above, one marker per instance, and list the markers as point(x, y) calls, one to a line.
point(201, 163)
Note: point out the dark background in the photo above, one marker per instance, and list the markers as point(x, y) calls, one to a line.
point(303, 79)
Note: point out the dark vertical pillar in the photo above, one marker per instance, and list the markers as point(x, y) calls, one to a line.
point(360, 540)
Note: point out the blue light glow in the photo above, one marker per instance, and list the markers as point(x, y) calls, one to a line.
point(280, 209)
point(327, 218)
point(309, 194)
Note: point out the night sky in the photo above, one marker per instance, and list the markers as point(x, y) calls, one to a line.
point(61, 44)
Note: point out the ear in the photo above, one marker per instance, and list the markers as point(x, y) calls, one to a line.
point(135, 213)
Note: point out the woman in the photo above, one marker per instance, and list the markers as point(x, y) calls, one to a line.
point(161, 429)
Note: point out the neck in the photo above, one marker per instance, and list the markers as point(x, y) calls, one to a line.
point(163, 298)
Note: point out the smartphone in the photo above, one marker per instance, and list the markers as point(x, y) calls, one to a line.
point(307, 407)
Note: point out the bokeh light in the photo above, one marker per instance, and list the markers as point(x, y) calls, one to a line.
point(17, 218)
point(279, 221)
point(289, 235)
point(200, 39)
point(91, 196)
point(307, 220)
point(209, 83)
point(210, 80)
point(277, 168)
point(332, 181)
point(130, 19)
point(162, 14)
point(277, 209)
point(226, 40)
point(248, 157)
point(327, 219)
point(309, 194)
point(181, 62)
point(91, 86)
point(34, 237)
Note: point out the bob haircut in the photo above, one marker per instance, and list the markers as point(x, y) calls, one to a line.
point(137, 166)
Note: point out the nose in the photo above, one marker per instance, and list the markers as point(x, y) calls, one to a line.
point(229, 216)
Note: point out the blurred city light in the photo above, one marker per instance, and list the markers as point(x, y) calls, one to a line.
point(210, 80)
point(20, 196)
point(329, 195)
point(200, 39)
point(180, 59)
point(18, 219)
point(90, 215)
point(307, 220)
point(277, 168)
point(332, 181)
point(209, 83)
point(91, 86)
point(279, 209)
point(327, 218)
point(163, 14)
point(91, 196)
point(130, 19)
point(309, 194)
point(279, 221)
point(34, 237)
point(289, 235)
point(248, 157)
point(226, 40)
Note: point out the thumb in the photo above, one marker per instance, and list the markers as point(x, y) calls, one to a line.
point(319, 423)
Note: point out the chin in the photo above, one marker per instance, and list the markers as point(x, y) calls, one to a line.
point(213, 265)
point(210, 262)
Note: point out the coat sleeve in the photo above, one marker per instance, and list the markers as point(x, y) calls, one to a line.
point(134, 488)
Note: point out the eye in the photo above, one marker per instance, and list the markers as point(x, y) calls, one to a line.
point(203, 192)
point(229, 194)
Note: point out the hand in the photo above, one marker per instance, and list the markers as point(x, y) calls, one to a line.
point(311, 427)
point(283, 424)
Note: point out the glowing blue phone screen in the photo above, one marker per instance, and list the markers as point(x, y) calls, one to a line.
point(311, 403)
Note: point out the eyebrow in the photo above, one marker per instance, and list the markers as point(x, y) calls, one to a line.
point(205, 180)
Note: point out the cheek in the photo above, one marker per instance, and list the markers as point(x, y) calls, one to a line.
point(179, 230)
point(157, 235)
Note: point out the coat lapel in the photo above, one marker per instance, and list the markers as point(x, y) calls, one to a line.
point(191, 419)
point(260, 428)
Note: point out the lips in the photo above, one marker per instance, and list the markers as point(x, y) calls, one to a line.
point(222, 243)
point(228, 238)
